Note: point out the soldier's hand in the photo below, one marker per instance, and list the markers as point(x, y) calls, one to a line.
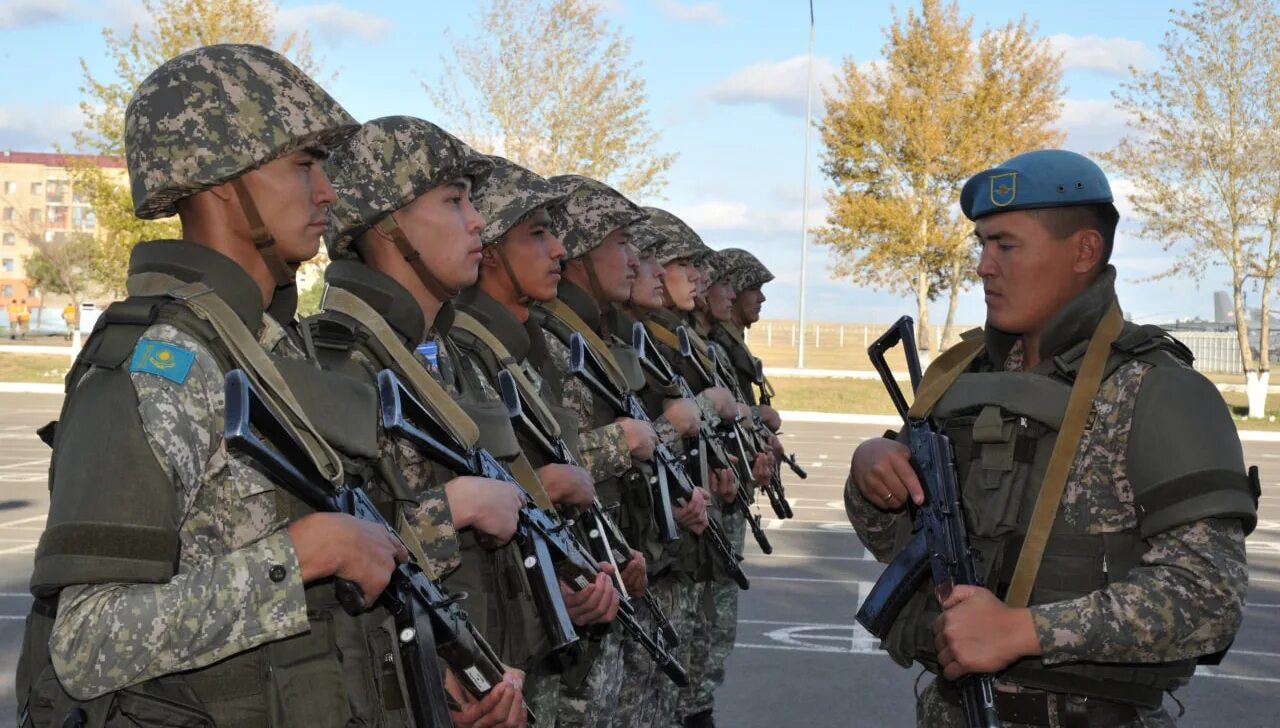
point(744, 411)
point(684, 415)
point(882, 471)
point(641, 439)
point(490, 506)
point(722, 399)
point(335, 544)
point(503, 707)
point(568, 484)
point(635, 575)
point(770, 417)
point(597, 604)
point(775, 446)
point(977, 633)
point(762, 468)
point(724, 484)
point(693, 514)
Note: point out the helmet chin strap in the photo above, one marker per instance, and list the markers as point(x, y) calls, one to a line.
point(391, 229)
point(521, 296)
point(262, 238)
point(593, 280)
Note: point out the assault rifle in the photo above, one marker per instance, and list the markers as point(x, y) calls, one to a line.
point(766, 398)
point(731, 434)
point(940, 548)
point(758, 442)
point(549, 553)
point(604, 541)
point(670, 480)
point(429, 621)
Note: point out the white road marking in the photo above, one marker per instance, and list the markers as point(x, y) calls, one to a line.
point(21, 521)
point(26, 548)
point(25, 464)
point(755, 577)
point(866, 556)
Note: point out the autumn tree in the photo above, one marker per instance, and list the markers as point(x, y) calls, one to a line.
point(179, 26)
point(550, 85)
point(1203, 158)
point(901, 136)
point(62, 265)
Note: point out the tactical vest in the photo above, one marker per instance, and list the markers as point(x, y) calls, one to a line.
point(498, 596)
point(342, 670)
point(1003, 427)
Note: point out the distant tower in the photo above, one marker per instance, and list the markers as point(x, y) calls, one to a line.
point(1223, 311)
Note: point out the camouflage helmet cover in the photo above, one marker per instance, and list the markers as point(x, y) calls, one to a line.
point(741, 269)
point(511, 193)
point(214, 113)
point(387, 164)
point(590, 214)
point(676, 239)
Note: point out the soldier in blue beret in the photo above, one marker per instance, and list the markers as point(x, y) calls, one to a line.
point(1143, 573)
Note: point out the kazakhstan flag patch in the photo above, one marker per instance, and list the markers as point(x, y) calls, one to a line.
point(162, 359)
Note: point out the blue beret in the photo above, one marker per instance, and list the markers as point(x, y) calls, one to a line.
point(1039, 179)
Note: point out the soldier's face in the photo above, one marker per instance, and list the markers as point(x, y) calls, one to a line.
point(748, 304)
point(720, 301)
point(293, 195)
point(444, 227)
point(1027, 274)
point(646, 290)
point(534, 253)
point(682, 283)
point(615, 265)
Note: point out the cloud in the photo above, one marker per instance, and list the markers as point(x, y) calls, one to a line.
point(1111, 56)
point(780, 84)
point(705, 12)
point(1093, 125)
point(37, 128)
point(742, 219)
point(29, 13)
point(333, 22)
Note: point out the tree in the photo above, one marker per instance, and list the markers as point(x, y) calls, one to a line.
point(901, 137)
point(180, 25)
point(1202, 155)
point(549, 85)
point(62, 266)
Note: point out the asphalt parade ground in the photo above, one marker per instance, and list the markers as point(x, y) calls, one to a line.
point(800, 658)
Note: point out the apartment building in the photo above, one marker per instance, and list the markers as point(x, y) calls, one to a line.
point(38, 203)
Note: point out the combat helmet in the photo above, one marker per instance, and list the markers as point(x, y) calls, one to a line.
point(387, 164)
point(590, 213)
point(741, 269)
point(211, 115)
point(674, 238)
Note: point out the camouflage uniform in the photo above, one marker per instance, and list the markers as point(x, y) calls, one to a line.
point(1182, 601)
point(209, 581)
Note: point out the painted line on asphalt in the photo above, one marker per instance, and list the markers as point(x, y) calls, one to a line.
point(866, 556)
point(756, 577)
point(25, 464)
point(21, 521)
point(20, 549)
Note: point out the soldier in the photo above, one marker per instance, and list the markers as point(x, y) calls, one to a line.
point(406, 240)
point(520, 265)
point(598, 273)
point(1152, 503)
point(174, 584)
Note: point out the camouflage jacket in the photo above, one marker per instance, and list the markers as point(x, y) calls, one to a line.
point(238, 583)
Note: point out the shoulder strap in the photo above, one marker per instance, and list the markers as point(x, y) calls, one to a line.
point(1064, 450)
point(248, 354)
point(470, 325)
point(402, 362)
point(942, 373)
point(560, 310)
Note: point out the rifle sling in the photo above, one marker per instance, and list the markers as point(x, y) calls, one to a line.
point(436, 399)
point(942, 373)
point(561, 310)
point(1064, 449)
point(245, 350)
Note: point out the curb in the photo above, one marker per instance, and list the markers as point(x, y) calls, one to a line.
point(830, 418)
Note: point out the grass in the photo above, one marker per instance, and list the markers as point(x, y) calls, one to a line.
point(33, 368)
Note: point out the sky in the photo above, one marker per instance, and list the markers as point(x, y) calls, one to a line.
point(726, 92)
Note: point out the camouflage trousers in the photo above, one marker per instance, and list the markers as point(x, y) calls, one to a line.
point(542, 693)
point(933, 711)
point(594, 703)
point(718, 619)
point(649, 697)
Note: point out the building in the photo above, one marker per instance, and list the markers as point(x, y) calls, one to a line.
point(38, 203)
